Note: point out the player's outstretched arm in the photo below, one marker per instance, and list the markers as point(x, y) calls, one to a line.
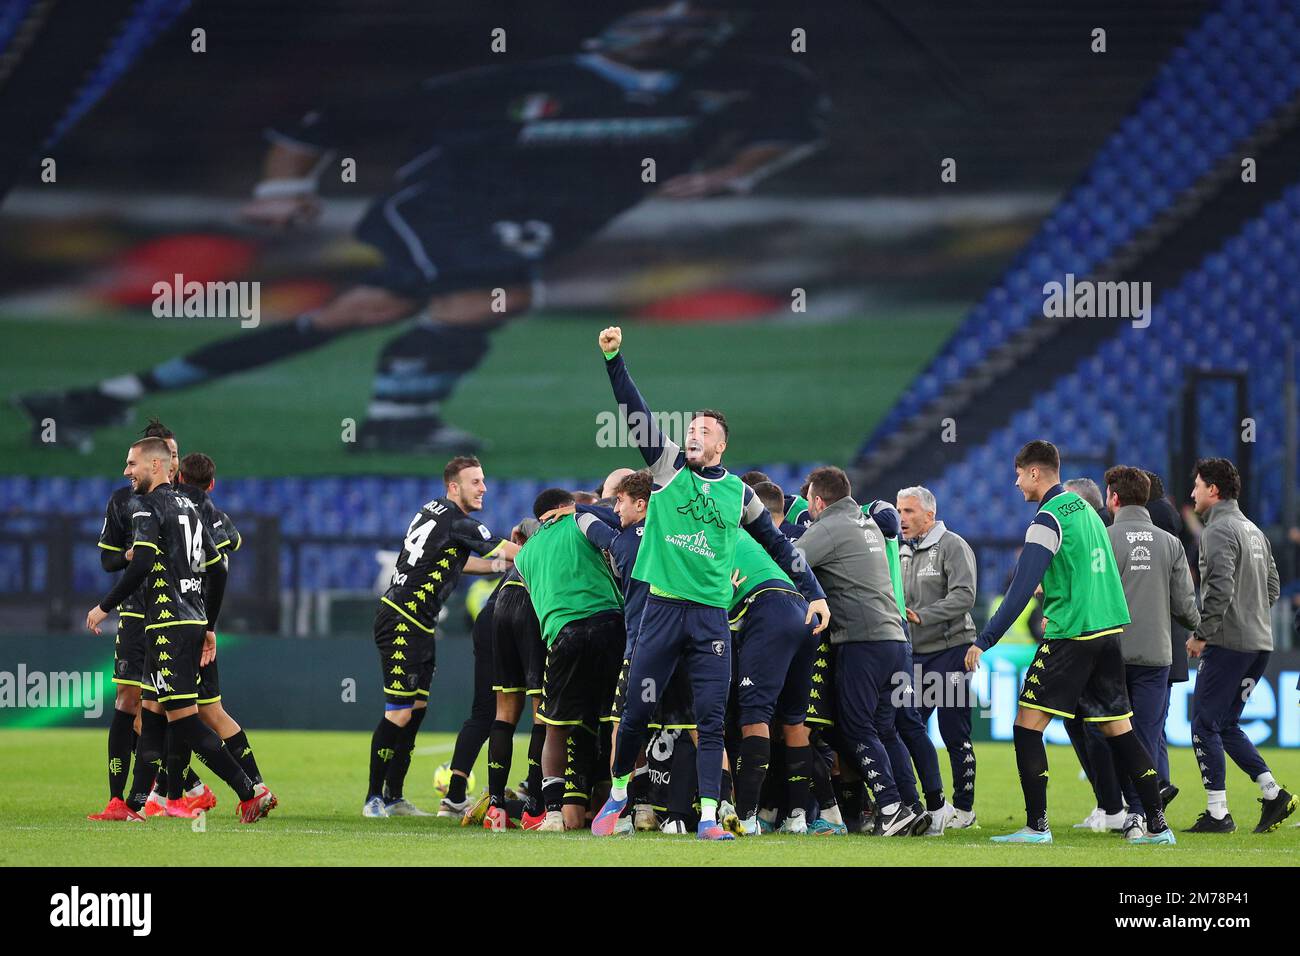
point(659, 453)
point(1030, 569)
point(756, 520)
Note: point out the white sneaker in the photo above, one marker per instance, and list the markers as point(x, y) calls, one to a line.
point(455, 809)
point(794, 823)
point(374, 807)
point(1135, 825)
point(623, 827)
point(644, 819)
point(749, 827)
point(939, 820)
point(674, 825)
point(962, 820)
point(404, 808)
point(1099, 821)
point(554, 822)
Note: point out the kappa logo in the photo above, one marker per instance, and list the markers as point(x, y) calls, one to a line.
point(746, 682)
point(703, 509)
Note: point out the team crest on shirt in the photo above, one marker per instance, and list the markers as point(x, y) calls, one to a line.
point(719, 647)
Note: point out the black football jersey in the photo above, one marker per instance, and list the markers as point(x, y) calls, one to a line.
point(223, 531)
point(116, 536)
point(512, 141)
point(438, 541)
point(167, 521)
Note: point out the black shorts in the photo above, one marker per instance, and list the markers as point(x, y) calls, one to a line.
point(406, 658)
point(171, 665)
point(1083, 678)
point(582, 671)
point(774, 657)
point(431, 247)
point(209, 683)
point(129, 651)
point(821, 691)
point(518, 651)
point(675, 712)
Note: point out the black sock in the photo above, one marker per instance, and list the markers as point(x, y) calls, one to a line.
point(237, 743)
point(162, 779)
point(191, 778)
point(1132, 756)
point(420, 367)
point(383, 743)
point(121, 743)
point(1031, 761)
point(501, 741)
point(552, 793)
point(724, 792)
point(535, 743)
point(580, 761)
point(236, 353)
point(456, 788)
point(751, 767)
point(175, 761)
point(395, 776)
point(934, 800)
point(852, 797)
point(148, 757)
point(212, 753)
point(799, 774)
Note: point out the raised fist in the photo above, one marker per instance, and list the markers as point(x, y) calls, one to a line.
point(611, 339)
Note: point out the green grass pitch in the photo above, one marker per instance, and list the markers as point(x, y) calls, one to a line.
point(53, 778)
point(793, 392)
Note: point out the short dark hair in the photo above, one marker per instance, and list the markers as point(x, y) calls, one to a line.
point(156, 429)
point(198, 469)
point(803, 490)
point(583, 497)
point(771, 495)
point(1039, 452)
point(1222, 474)
point(154, 448)
point(636, 486)
point(551, 498)
point(714, 413)
point(1131, 485)
point(1157, 485)
point(457, 465)
point(831, 483)
point(753, 478)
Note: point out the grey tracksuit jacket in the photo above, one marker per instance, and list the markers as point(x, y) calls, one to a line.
point(846, 551)
point(939, 584)
point(1157, 586)
point(1239, 581)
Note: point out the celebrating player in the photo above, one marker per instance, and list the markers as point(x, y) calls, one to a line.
point(175, 555)
point(438, 543)
point(687, 555)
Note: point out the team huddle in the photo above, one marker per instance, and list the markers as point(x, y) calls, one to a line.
point(173, 545)
point(705, 652)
